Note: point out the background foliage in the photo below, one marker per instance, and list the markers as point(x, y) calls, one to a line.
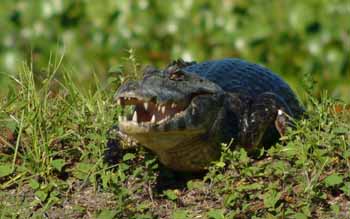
point(290, 37)
point(53, 132)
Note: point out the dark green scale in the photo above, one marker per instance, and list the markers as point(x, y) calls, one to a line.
point(241, 77)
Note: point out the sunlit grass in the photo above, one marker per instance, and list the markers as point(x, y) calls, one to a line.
point(53, 137)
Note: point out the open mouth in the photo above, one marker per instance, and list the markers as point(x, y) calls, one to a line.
point(148, 112)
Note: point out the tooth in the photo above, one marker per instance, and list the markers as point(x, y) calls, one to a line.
point(120, 118)
point(124, 118)
point(163, 109)
point(158, 107)
point(145, 104)
point(134, 117)
point(173, 105)
point(153, 120)
point(280, 112)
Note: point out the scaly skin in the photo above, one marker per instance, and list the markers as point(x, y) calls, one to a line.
point(184, 112)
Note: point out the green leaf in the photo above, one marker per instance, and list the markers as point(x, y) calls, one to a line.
point(220, 164)
point(346, 154)
point(82, 170)
point(279, 167)
point(41, 195)
point(107, 214)
point(170, 194)
point(346, 188)
point(116, 70)
point(253, 186)
point(5, 170)
point(194, 184)
point(243, 158)
point(271, 197)
point(180, 214)
point(143, 216)
point(300, 216)
point(112, 80)
point(231, 199)
point(306, 210)
point(341, 130)
point(11, 124)
point(34, 184)
point(58, 164)
point(335, 208)
point(333, 180)
point(128, 156)
point(144, 206)
point(216, 214)
point(106, 179)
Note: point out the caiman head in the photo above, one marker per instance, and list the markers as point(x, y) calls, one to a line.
point(168, 107)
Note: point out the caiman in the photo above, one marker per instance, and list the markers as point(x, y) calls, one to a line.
point(185, 111)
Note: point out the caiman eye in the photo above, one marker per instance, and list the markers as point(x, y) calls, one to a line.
point(177, 75)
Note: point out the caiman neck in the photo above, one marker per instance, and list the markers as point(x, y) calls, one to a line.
point(195, 154)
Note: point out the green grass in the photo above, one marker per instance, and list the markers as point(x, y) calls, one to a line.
point(53, 137)
point(294, 37)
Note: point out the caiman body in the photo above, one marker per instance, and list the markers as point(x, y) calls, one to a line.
point(184, 112)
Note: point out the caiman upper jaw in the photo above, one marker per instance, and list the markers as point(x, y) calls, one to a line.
point(149, 111)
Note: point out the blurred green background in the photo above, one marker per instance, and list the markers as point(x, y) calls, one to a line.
point(293, 38)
